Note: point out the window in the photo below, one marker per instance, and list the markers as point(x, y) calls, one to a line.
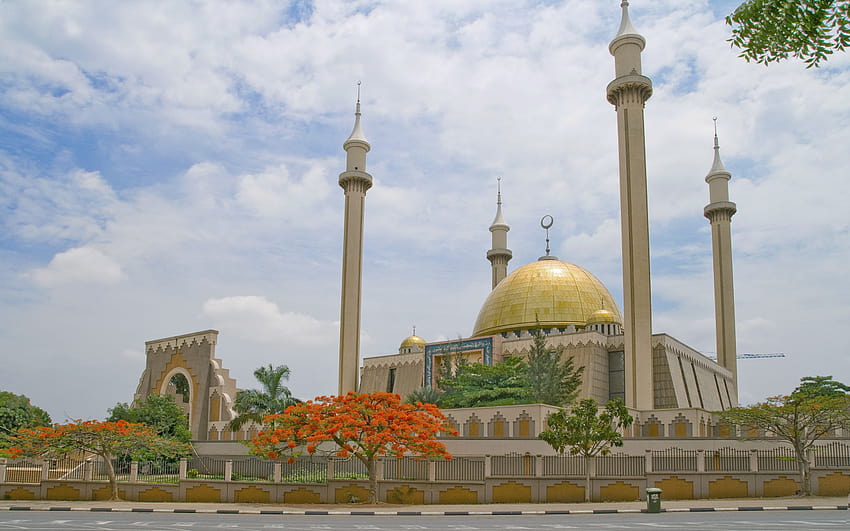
point(391, 380)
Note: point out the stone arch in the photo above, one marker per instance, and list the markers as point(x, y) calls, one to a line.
point(187, 405)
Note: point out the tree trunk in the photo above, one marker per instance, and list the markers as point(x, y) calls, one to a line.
point(587, 461)
point(110, 474)
point(803, 469)
point(371, 467)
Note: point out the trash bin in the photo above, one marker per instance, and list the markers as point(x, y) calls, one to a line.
point(653, 500)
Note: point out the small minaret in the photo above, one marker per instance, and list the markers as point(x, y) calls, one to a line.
point(354, 181)
point(499, 255)
point(719, 213)
point(628, 93)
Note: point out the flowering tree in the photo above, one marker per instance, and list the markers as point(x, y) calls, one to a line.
point(363, 426)
point(815, 409)
point(107, 440)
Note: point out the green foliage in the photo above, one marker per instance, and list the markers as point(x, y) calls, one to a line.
point(587, 431)
point(551, 381)
point(814, 410)
point(476, 384)
point(542, 378)
point(425, 395)
point(768, 31)
point(821, 386)
point(254, 405)
point(159, 411)
point(181, 386)
point(16, 412)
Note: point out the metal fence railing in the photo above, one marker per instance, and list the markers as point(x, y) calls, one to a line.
point(252, 469)
point(674, 460)
point(305, 469)
point(834, 455)
point(199, 467)
point(159, 471)
point(405, 468)
point(727, 460)
point(23, 471)
point(621, 465)
point(512, 465)
point(777, 460)
point(461, 469)
point(67, 468)
point(560, 465)
point(349, 468)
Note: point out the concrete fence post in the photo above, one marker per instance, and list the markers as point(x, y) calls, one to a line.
point(432, 471)
point(134, 472)
point(754, 460)
point(278, 472)
point(184, 464)
point(488, 467)
point(88, 469)
point(700, 460)
point(648, 465)
point(330, 469)
point(538, 466)
point(228, 470)
point(45, 470)
point(2, 470)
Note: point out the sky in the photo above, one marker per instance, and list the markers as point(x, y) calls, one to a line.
point(171, 167)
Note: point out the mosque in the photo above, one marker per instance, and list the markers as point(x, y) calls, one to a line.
point(671, 389)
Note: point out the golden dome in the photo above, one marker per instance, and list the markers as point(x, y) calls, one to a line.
point(602, 316)
point(554, 293)
point(414, 342)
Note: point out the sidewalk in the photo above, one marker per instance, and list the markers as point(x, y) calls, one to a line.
point(726, 504)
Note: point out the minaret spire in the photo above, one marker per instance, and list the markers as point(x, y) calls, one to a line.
point(354, 182)
point(628, 93)
point(719, 212)
point(499, 255)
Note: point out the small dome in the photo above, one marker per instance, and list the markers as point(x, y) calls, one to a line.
point(553, 293)
point(413, 343)
point(602, 316)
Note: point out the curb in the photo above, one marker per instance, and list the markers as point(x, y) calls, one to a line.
point(423, 513)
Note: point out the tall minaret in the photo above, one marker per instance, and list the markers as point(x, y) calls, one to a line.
point(355, 181)
point(499, 255)
point(628, 93)
point(719, 213)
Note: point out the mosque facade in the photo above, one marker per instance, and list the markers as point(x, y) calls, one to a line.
point(671, 388)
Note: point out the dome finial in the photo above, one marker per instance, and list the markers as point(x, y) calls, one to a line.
point(546, 222)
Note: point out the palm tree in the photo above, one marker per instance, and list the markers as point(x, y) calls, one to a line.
point(253, 405)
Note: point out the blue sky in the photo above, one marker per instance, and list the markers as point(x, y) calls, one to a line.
point(171, 168)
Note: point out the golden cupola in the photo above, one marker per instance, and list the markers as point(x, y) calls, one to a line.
point(550, 292)
point(412, 343)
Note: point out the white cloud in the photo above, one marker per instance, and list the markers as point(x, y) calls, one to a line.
point(260, 320)
point(81, 265)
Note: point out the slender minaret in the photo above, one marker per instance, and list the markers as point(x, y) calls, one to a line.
point(499, 255)
point(354, 181)
point(719, 213)
point(628, 93)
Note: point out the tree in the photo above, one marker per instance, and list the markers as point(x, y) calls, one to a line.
point(159, 411)
point(551, 380)
point(478, 385)
point(107, 440)
point(768, 31)
point(588, 431)
point(814, 410)
point(16, 412)
point(426, 395)
point(253, 405)
point(363, 426)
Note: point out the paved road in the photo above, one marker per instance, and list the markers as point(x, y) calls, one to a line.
point(749, 521)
